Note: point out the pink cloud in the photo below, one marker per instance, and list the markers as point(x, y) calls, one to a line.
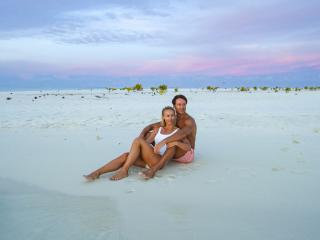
point(239, 66)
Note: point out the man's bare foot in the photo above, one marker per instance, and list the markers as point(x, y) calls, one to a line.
point(92, 176)
point(119, 175)
point(147, 174)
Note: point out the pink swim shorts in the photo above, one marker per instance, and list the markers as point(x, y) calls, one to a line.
point(188, 157)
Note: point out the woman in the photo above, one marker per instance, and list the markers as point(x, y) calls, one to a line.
point(142, 153)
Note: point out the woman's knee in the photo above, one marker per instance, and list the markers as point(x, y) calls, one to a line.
point(138, 140)
point(125, 155)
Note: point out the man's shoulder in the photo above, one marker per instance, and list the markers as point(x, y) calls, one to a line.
point(189, 119)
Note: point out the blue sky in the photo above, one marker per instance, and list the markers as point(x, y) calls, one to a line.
point(62, 44)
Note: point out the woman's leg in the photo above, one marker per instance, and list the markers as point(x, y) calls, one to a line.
point(111, 166)
point(139, 149)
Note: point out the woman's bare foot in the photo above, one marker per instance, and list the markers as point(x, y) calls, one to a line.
point(119, 175)
point(92, 176)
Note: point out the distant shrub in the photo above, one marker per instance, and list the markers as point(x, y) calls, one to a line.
point(138, 87)
point(287, 89)
point(175, 89)
point(153, 89)
point(129, 89)
point(162, 89)
point(255, 88)
point(111, 89)
point(264, 88)
point(212, 88)
point(314, 88)
point(244, 89)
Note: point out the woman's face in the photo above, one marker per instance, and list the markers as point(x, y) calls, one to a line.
point(169, 117)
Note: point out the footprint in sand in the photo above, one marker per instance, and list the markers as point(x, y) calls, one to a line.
point(284, 149)
point(301, 161)
point(300, 172)
point(211, 181)
point(277, 169)
point(316, 130)
point(294, 141)
point(98, 138)
point(131, 190)
point(171, 177)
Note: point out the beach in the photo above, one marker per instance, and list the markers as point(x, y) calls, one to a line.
point(255, 173)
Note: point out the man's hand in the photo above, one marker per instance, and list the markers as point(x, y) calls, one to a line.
point(171, 144)
point(158, 146)
point(148, 174)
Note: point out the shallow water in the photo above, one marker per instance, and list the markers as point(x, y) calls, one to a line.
point(31, 213)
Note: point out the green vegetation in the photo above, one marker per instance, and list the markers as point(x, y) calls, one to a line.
point(314, 88)
point(138, 87)
point(129, 89)
point(162, 89)
point(212, 88)
point(243, 89)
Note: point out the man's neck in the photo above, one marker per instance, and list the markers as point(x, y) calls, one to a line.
point(181, 114)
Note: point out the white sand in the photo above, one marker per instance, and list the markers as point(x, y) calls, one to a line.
point(256, 173)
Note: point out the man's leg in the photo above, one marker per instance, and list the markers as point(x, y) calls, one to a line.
point(179, 153)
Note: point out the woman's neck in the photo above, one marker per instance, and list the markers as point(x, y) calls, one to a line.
point(169, 127)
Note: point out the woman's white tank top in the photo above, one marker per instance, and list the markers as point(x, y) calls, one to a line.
point(159, 137)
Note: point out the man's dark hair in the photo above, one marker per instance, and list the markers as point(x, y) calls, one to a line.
point(177, 97)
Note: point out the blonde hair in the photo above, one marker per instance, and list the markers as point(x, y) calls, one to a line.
point(163, 122)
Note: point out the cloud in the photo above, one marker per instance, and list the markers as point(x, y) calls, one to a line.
point(170, 37)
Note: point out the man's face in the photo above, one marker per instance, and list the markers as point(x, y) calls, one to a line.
point(180, 106)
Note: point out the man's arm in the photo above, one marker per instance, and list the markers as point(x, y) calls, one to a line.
point(184, 145)
point(149, 128)
point(151, 137)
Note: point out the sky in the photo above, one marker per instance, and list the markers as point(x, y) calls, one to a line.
point(86, 44)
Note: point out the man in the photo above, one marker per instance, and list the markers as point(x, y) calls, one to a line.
point(188, 130)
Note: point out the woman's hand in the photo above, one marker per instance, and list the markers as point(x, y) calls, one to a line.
point(158, 146)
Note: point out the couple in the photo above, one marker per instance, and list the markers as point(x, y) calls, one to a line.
point(174, 138)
